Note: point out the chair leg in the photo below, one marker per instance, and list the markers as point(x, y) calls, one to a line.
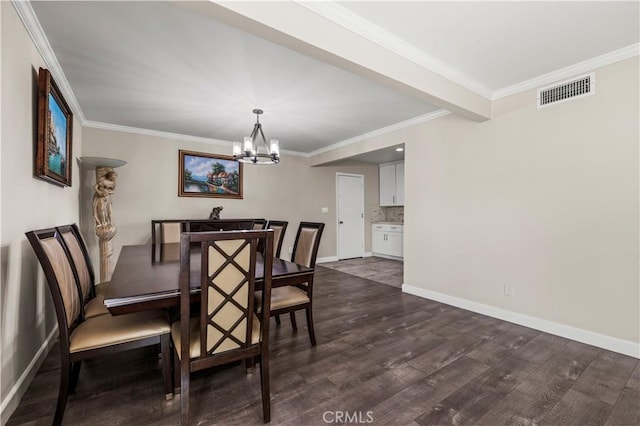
point(278, 319)
point(292, 315)
point(264, 384)
point(63, 392)
point(249, 363)
point(74, 375)
point(166, 351)
point(176, 374)
point(312, 333)
point(184, 393)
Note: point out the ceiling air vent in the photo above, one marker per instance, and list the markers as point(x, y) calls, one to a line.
point(575, 88)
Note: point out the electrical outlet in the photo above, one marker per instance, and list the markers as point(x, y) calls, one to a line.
point(508, 290)
point(325, 210)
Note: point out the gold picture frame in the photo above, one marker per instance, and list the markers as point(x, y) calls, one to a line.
point(209, 175)
point(54, 145)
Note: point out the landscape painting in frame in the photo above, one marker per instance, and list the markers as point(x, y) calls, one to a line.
point(53, 146)
point(209, 175)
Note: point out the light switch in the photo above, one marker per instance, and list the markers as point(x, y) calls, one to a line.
point(325, 210)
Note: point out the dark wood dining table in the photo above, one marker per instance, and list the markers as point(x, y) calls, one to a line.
point(147, 277)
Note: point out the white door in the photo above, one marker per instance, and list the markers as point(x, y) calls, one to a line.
point(350, 215)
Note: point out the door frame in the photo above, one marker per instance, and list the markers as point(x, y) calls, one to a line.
point(338, 174)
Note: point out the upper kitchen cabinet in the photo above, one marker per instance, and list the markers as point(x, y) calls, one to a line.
point(392, 184)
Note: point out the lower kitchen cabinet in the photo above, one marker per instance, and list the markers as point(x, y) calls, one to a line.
point(387, 240)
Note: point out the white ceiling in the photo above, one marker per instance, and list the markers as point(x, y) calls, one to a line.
point(498, 44)
point(162, 67)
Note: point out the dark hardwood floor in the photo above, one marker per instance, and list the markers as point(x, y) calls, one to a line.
point(378, 269)
point(382, 358)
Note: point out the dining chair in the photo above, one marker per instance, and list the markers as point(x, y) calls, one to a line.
point(279, 228)
point(81, 338)
point(92, 296)
point(259, 224)
point(228, 327)
point(170, 231)
point(294, 298)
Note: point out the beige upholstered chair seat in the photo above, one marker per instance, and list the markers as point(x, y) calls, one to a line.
point(282, 297)
point(194, 339)
point(95, 307)
point(107, 330)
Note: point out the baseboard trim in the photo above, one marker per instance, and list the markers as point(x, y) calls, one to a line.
point(385, 256)
point(11, 401)
point(335, 258)
point(327, 259)
point(625, 347)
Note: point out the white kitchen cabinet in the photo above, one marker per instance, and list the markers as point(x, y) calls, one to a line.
point(386, 240)
point(392, 184)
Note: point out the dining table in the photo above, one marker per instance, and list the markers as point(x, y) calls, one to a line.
point(146, 277)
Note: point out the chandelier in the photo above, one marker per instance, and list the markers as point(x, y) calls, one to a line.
point(254, 150)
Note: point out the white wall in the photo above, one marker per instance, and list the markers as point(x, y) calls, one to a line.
point(26, 308)
point(543, 200)
point(147, 188)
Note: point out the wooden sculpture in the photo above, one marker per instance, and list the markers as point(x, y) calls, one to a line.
point(103, 217)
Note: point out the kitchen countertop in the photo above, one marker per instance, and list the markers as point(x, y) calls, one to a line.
point(387, 223)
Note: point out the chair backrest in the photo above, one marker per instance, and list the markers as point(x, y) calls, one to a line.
point(170, 231)
point(259, 224)
point(279, 228)
point(218, 225)
point(80, 259)
point(228, 262)
point(61, 278)
point(305, 248)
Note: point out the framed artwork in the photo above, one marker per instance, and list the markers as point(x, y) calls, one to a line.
point(54, 143)
point(209, 175)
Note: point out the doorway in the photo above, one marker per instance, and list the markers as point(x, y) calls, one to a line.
point(350, 215)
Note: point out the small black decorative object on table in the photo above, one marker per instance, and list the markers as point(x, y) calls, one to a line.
point(215, 213)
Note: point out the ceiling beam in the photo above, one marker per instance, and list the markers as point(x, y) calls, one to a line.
point(298, 28)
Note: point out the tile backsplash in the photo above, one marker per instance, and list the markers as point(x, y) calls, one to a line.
point(388, 214)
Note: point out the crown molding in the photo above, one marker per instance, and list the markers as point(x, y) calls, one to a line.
point(169, 135)
point(383, 131)
point(360, 26)
point(154, 133)
point(32, 25)
point(570, 71)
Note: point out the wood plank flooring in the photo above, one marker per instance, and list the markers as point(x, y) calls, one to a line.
point(378, 269)
point(383, 358)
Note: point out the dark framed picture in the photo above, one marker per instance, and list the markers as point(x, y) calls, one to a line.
point(55, 128)
point(209, 175)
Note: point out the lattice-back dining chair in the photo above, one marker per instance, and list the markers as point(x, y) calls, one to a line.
point(92, 295)
point(294, 298)
point(279, 228)
point(81, 338)
point(227, 328)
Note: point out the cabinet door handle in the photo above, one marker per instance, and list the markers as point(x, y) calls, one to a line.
point(394, 199)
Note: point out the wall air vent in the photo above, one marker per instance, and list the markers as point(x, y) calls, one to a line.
point(568, 90)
